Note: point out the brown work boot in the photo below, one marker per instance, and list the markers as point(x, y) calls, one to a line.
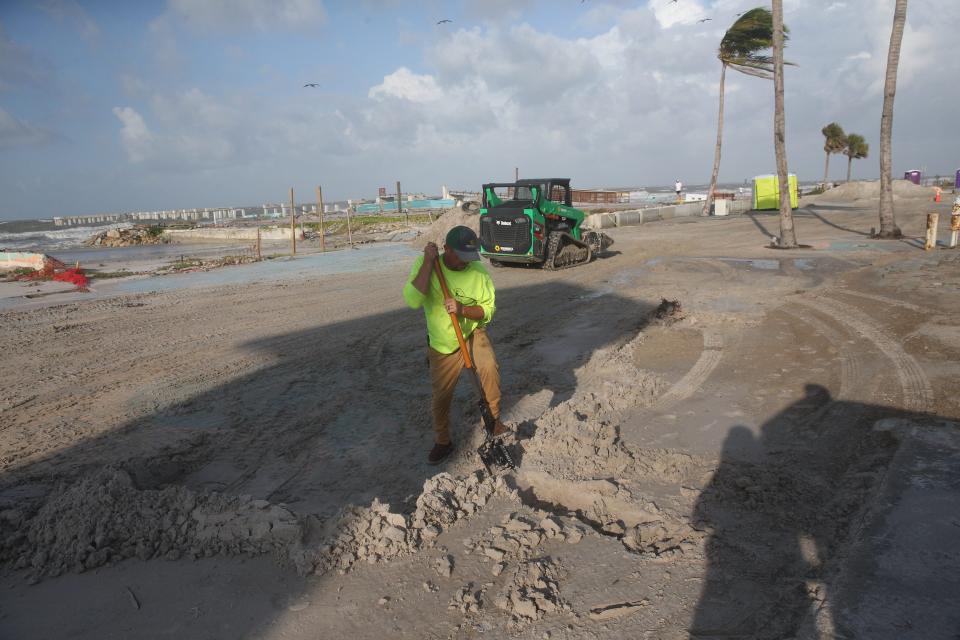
point(499, 429)
point(439, 453)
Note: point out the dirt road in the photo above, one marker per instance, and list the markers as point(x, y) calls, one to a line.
point(725, 471)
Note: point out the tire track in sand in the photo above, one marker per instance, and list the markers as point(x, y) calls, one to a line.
point(698, 373)
point(888, 301)
point(917, 392)
point(851, 364)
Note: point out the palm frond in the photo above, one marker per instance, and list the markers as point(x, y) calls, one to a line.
point(745, 41)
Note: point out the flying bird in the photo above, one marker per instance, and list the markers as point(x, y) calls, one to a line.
point(704, 19)
point(311, 84)
point(442, 21)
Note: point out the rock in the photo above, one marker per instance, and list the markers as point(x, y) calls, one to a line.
point(525, 609)
point(494, 554)
point(444, 566)
point(498, 568)
point(382, 601)
point(395, 534)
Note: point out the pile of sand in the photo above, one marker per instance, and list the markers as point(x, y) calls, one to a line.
point(466, 214)
point(105, 518)
point(870, 189)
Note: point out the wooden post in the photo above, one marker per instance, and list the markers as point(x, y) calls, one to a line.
point(259, 255)
point(955, 223)
point(399, 206)
point(932, 219)
point(323, 242)
point(349, 230)
point(293, 224)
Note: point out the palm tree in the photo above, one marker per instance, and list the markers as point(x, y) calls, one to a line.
point(836, 142)
point(741, 49)
point(856, 148)
point(788, 236)
point(888, 226)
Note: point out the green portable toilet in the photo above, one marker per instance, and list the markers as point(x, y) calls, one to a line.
point(766, 192)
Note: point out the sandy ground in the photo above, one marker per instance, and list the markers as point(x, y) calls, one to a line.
point(781, 458)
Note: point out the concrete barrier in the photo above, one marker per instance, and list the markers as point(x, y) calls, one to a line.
point(10, 260)
point(632, 217)
point(600, 221)
point(230, 234)
point(688, 210)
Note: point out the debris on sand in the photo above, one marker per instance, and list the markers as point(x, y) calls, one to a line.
point(668, 311)
point(466, 600)
point(375, 534)
point(128, 237)
point(532, 593)
point(662, 538)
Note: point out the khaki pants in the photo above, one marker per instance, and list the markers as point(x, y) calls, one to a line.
point(445, 371)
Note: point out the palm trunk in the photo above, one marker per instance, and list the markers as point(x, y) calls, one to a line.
point(849, 166)
point(888, 226)
point(788, 237)
point(826, 168)
point(716, 152)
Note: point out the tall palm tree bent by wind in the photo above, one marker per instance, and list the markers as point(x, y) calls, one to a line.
point(856, 149)
point(836, 141)
point(788, 236)
point(888, 226)
point(741, 49)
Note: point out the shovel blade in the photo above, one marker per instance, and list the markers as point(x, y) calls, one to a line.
point(495, 456)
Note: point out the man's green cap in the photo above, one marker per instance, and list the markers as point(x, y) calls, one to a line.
point(464, 243)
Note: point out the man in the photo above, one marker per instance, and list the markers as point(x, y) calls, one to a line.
point(678, 187)
point(474, 303)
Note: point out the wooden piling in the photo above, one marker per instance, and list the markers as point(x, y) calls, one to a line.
point(349, 230)
point(323, 242)
point(399, 206)
point(954, 226)
point(932, 219)
point(293, 223)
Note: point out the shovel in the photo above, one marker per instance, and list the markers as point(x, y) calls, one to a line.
point(492, 452)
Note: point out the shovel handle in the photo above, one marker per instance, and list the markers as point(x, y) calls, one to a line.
point(467, 361)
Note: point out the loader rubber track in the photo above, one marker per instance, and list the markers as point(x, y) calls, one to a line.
point(564, 251)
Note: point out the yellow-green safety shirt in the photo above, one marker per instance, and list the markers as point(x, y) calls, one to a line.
point(472, 287)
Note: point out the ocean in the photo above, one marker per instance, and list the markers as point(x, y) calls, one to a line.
point(42, 236)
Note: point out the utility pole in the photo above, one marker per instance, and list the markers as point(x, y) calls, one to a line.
point(323, 242)
point(293, 224)
point(407, 217)
point(516, 173)
point(259, 256)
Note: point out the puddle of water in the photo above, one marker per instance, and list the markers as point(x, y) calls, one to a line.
point(770, 265)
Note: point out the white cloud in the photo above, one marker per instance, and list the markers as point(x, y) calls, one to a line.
point(405, 84)
point(134, 134)
point(670, 13)
point(258, 15)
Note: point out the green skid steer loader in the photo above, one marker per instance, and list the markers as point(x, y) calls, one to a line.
point(534, 223)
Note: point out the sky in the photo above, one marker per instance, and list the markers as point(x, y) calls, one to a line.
point(109, 106)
